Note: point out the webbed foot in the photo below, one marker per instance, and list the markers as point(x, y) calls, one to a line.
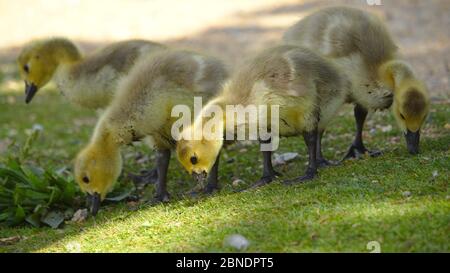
point(161, 198)
point(323, 163)
point(267, 179)
point(210, 189)
point(309, 175)
point(359, 152)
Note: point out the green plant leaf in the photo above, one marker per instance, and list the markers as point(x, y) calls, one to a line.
point(19, 215)
point(34, 219)
point(4, 216)
point(35, 177)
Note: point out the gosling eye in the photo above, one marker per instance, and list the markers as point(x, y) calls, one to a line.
point(26, 68)
point(402, 116)
point(85, 179)
point(194, 160)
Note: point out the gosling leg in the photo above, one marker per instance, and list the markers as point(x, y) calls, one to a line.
point(269, 174)
point(162, 165)
point(357, 149)
point(311, 172)
point(321, 161)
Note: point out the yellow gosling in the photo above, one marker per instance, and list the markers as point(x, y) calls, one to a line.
point(142, 108)
point(360, 44)
point(87, 81)
point(308, 89)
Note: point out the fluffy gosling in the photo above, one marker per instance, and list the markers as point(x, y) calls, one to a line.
point(308, 89)
point(362, 47)
point(142, 108)
point(87, 81)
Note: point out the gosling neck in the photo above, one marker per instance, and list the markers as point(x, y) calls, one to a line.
point(209, 116)
point(394, 72)
point(64, 51)
point(104, 138)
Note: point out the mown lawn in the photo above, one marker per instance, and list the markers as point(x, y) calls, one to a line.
point(398, 200)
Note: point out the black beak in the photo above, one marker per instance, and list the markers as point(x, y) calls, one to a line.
point(412, 141)
point(30, 91)
point(94, 201)
point(199, 177)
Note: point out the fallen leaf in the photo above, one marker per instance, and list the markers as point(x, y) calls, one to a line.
point(80, 216)
point(10, 240)
point(406, 194)
point(237, 182)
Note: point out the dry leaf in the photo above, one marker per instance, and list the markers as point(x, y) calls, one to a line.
point(10, 240)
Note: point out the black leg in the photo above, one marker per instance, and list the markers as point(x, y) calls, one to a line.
point(144, 178)
point(311, 172)
point(357, 149)
point(213, 179)
point(269, 174)
point(360, 114)
point(162, 165)
point(321, 161)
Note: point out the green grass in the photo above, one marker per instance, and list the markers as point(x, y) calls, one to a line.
point(342, 210)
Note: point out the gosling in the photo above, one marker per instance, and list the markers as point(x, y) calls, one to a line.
point(307, 88)
point(87, 81)
point(142, 108)
point(362, 47)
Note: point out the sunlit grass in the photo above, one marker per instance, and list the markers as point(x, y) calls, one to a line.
point(398, 200)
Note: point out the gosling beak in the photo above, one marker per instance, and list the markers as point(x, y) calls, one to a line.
point(412, 141)
point(199, 177)
point(94, 201)
point(30, 91)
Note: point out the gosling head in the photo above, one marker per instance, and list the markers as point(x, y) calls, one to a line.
point(198, 156)
point(37, 64)
point(96, 171)
point(411, 107)
point(38, 61)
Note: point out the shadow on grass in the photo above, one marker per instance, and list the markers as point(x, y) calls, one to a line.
point(339, 211)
